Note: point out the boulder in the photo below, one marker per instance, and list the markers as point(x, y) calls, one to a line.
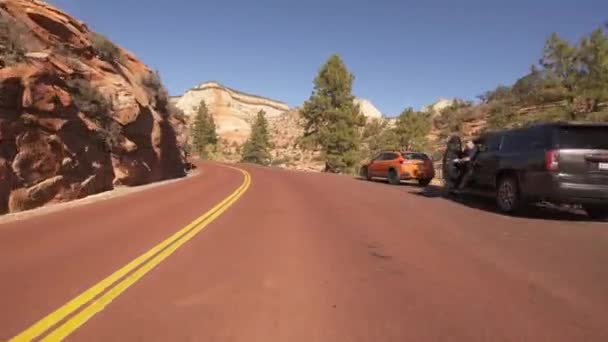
point(28, 198)
point(35, 160)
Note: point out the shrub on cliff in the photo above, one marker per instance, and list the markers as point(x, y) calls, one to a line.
point(96, 107)
point(157, 92)
point(105, 49)
point(257, 148)
point(332, 121)
point(12, 50)
point(176, 112)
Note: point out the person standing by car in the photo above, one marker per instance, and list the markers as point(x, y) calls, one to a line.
point(468, 161)
point(451, 171)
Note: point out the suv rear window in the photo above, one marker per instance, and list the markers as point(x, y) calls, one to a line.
point(528, 139)
point(390, 156)
point(416, 156)
point(583, 138)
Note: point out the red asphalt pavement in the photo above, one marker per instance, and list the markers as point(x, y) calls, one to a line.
point(311, 257)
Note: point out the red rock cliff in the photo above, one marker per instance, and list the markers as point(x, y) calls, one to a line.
point(78, 115)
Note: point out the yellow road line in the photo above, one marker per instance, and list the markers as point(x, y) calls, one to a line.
point(145, 263)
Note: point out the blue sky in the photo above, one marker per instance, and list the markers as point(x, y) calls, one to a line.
point(403, 53)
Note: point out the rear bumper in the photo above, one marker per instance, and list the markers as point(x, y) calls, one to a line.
point(577, 193)
point(416, 174)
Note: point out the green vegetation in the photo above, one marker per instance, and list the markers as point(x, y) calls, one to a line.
point(409, 132)
point(571, 83)
point(412, 129)
point(451, 119)
point(12, 50)
point(378, 136)
point(95, 106)
point(257, 148)
point(331, 120)
point(105, 49)
point(203, 132)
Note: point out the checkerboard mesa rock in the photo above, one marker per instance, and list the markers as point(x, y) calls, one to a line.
point(78, 114)
point(232, 110)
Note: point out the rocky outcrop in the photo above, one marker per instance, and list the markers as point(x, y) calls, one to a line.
point(439, 105)
point(368, 109)
point(73, 121)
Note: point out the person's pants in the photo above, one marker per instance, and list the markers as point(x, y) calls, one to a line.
point(468, 174)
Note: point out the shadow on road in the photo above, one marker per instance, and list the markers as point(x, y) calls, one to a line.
point(413, 184)
point(541, 211)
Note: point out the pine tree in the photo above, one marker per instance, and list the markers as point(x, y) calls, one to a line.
point(331, 119)
point(203, 131)
point(593, 54)
point(561, 59)
point(378, 136)
point(257, 148)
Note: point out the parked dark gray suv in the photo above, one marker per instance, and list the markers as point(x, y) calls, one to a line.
point(562, 163)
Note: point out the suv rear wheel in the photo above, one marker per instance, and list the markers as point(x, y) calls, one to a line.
point(597, 213)
point(364, 173)
point(508, 198)
point(424, 182)
point(393, 177)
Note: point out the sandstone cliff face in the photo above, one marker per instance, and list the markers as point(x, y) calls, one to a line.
point(73, 123)
point(232, 110)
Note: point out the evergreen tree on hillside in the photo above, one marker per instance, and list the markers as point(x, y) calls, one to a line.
point(331, 119)
point(378, 136)
point(257, 148)
point(560, 58)
point(203, 131)
point(593, 55)
point(411, 129)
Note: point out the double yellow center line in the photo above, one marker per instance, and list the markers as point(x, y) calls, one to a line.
point(65, 320)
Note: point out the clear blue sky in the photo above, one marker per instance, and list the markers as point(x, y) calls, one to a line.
point(403, 53)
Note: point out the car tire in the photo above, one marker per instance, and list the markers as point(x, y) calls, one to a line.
point(365, 173)
point(393, 177)
point(597, 213)
point(508, 198)
point(424, 182)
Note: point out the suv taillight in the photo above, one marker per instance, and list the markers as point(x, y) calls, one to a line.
point(551, 160)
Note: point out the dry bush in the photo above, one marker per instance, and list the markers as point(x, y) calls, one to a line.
point(12, 49)
point(105, 49)
point(96, 107)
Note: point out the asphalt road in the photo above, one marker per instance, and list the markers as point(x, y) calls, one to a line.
point(309, 257)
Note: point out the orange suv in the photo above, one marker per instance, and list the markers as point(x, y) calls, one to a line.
point(398, 166)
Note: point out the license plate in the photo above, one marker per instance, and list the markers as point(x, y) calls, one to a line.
point(603, 166)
